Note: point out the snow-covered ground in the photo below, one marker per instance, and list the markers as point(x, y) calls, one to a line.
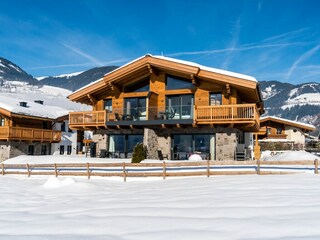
point(219, 207)
point(223, 207)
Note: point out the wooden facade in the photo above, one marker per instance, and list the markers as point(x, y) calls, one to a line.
point(240, 105)
point(20, 127)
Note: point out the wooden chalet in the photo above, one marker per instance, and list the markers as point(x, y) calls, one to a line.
point(285, 133)
point(175, 107)
point(27, 127)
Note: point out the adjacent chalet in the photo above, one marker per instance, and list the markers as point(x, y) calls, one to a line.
point(30, 128)
point(282, 134)
point(174, 107)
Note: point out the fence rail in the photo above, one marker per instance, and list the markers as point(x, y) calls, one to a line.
point(164, 169)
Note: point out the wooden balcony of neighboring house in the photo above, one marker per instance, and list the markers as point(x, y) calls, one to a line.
point(246, 115)
point(29, 134)
point(277, 136)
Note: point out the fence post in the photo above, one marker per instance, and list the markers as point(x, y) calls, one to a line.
point(258, 167)
point(316, 164)
point(88, 170)
point(164, 170)
point(55, 170)
point(28, 169)
point(208, 168)
point(124, 172)
point(2, 166)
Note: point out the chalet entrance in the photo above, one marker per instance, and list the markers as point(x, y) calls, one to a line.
point(184, 145)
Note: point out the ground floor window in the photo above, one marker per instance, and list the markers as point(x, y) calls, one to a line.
point(43, 150)
point(121, 145)
point(31, 150)
point(69, 149)
point(183, 145)
point(61, 149)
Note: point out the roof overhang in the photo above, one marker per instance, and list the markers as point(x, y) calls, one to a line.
point(303, 126)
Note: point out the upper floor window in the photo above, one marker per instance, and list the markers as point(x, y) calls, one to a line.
point(1, 121)
point(141, 86)
point(108, 104)
point(215, 98)
point(63, 126)
point(279, 130)
point(177, 83)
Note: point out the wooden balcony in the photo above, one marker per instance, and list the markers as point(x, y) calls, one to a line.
point(245, 115)
point(239, 114)
point(29, 134)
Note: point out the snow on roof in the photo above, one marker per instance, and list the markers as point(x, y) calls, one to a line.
point(210, 69)
point(33, 109)
point(288, 121)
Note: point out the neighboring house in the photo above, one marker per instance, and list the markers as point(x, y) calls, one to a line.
point(174, 107)
point(27, 127)
point(282, 134)
point(69, 142)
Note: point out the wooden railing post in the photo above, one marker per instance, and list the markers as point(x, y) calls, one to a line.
point(164, 172)
point(316, 165)
point(28, 170)
point(208, 168)
point(2, 167)
point(258, 167)
point(88, 170)
point(124, 172)
point(55, 170)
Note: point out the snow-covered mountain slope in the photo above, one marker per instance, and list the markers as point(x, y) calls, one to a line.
point(11, 72)
point(294, 102)
point(51, 96)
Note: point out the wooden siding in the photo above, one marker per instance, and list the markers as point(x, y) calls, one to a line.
point(29, 134)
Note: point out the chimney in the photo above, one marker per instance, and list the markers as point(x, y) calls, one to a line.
point(39, 101)
point(23, 104)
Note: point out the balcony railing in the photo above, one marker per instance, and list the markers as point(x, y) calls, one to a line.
point(240, 113)
point(29, 134)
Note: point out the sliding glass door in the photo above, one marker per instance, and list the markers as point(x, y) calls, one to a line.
point(135, 108)
point(180, 106)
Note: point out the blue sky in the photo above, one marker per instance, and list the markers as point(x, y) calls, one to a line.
point(267, 39)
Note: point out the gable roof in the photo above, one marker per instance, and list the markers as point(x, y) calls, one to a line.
point(143, 65)
point(11, 106)
point(304, 126)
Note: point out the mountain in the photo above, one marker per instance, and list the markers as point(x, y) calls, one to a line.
point(75, 81)
point(11, 72)
point(295, 102)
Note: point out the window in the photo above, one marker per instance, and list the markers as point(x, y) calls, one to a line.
point(63, 127)
point(1, 121)
point(61, 149)
point(31, 150)
point(215, 99)
point(108, 104)
point(69, 149)
point(135, 108)
point(123, 143)
point(177, 83)
point(141, 86)
point(43, 150)
point(181, 106)
point(279, 130)
point(268, 131)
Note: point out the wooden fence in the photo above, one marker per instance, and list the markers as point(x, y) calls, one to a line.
point(164, 169)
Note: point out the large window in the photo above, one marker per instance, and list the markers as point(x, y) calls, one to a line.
point(108, 104)
point(135, 109)
point(141, 86)
point(177, 83)
point(121, 145)
point(1, 121)
point(180, 106)
point(186, 144)
point(215, 98)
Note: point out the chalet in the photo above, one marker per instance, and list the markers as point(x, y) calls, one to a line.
point(28, 127)
point(174, 107)
point(282, 134)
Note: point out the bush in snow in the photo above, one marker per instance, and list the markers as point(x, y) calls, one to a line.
point(139, 153)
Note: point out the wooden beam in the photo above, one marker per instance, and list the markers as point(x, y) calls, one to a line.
point(228, 89)
point(114, 87)
point(194, 80)
point(92, 99)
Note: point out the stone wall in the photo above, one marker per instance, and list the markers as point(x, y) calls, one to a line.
point(226, 144)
